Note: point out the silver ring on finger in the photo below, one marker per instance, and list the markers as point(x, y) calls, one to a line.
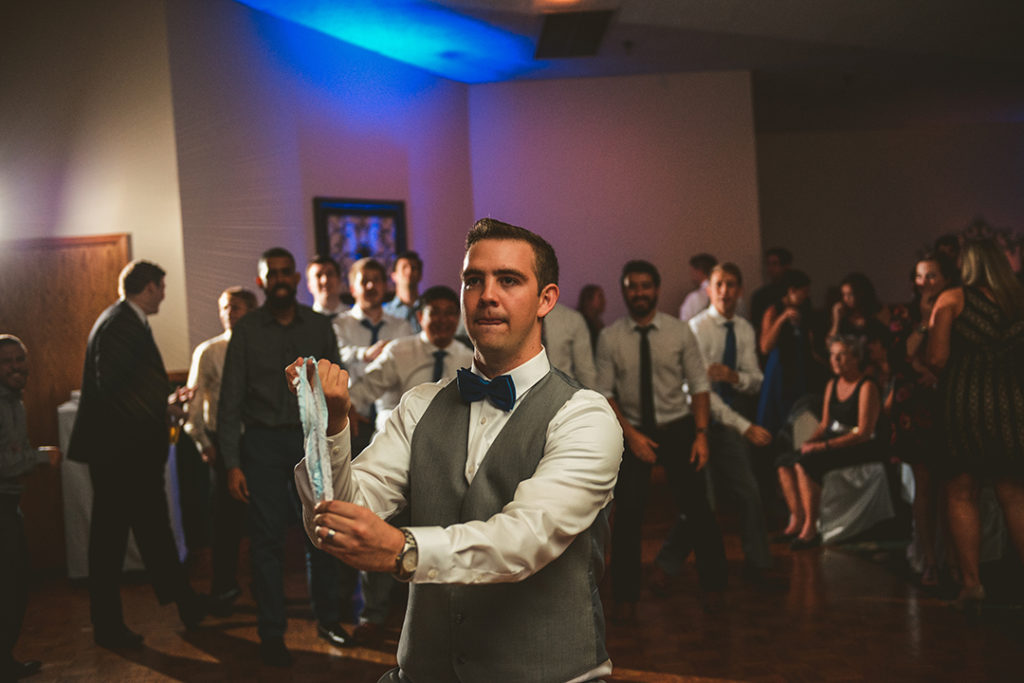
point(330, 533)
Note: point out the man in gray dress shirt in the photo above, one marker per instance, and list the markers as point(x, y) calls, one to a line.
point(261, 440)
point(642, 362)
point(567, 341)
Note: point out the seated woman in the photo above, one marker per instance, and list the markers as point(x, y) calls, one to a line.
point(844, 437)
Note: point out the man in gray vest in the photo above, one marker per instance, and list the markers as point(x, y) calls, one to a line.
point(506, 472)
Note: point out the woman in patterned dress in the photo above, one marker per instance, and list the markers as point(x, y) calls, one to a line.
point(976, 339)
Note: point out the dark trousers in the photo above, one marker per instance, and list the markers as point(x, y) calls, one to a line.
point(687, 486)
point(228, 526)
point(128, 493)
point(268, 459)
point(14, 573)
point(731, 469)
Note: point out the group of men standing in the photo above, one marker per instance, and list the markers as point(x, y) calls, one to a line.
point(496, 466)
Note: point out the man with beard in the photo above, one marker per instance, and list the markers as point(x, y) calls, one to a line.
point(259, 458)
point(642, 362)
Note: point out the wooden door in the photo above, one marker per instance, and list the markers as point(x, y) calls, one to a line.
point(51, 292)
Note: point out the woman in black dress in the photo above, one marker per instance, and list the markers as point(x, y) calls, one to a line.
point(976, 339)
point(844, 437)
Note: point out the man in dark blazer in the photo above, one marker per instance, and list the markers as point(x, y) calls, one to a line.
point(121, 431)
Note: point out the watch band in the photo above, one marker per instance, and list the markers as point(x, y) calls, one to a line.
point(410, 548)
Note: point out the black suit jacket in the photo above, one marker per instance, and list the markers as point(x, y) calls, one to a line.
point(122, 412)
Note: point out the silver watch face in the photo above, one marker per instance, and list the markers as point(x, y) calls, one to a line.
point(409, 560)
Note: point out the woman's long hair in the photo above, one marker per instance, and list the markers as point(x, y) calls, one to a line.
point(985, 265)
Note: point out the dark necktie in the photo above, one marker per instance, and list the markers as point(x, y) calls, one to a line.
point(725, 389)
point(647, 420)
point(374, 337)
point(439, 363)
point(501, 391)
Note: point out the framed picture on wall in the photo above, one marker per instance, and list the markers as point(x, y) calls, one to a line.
point(351, 229)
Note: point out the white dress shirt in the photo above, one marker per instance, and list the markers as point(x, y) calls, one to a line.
point(332, 312)
point(204, 376)
point(695, 302)
point(708, 327)
point(403, 364)
point(675, 358)
point(354, 339)
point(567, 341)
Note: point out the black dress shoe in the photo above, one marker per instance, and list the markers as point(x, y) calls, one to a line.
point(16, 670)
point(335, 635)
point(274, 653)
point(223, 604)
point(118, 638)
point(192, 609)
point(802, 544)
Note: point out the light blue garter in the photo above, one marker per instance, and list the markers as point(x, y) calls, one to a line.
point(313, 412)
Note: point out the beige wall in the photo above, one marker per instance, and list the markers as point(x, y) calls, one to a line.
point(88, 137)
point(609, 169)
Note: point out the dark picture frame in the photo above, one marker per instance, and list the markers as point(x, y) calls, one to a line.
point(350, 229)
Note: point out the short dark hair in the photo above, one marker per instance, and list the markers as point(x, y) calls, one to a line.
point(794, 279)
point(136, 275)
point(324, 260)
point(785, 256)
point(640, 266)
point(864, 295)
point(437, 293)
point(729, 268)
point(11, 340)
point(545, 262)
point(703, 262)
point(366, 263)
point(242, 293)
point(408, 256)
point(275, 252)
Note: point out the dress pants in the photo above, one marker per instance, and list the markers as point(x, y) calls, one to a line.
point(228, 526)
point(14, 573)
point(128, 493)
point(731, 468)
point(675, 440)
point(269, 457)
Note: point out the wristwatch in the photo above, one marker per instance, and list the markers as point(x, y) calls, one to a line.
point(407, 558)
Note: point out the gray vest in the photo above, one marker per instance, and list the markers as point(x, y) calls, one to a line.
point(548, 627)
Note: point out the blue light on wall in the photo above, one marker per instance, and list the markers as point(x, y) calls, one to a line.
point(419, 33)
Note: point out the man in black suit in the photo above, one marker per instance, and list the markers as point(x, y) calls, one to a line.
point(121, 431)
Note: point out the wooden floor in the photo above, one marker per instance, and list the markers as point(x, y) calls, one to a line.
point(842, 617)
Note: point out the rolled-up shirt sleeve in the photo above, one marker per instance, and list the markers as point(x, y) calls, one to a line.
point(574, 480)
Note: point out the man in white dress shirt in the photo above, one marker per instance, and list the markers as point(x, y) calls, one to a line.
point(697, 300)
point(228, 513)
point(365, 329)
point(506, 493)
point(642, 362)
point(567, 341)
point(323, 280)
point(406, 274)
point(727, 344)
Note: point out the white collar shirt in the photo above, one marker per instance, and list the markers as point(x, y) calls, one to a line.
point(708, 327)
point(567, 341)
point(354, 339)
point(695, 302)
point(675, 359)
point(204, 376)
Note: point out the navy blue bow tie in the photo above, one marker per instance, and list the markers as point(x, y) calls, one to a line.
point(501, 391)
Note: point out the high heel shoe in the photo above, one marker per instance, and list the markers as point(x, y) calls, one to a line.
point(970, 600)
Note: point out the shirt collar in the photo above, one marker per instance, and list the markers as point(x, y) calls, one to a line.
point(633, 324)
point(718, 317)
point(268, 317)
point(527, 374)
point(138, 311)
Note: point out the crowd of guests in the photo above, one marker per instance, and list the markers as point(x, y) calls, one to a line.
point(937, 383)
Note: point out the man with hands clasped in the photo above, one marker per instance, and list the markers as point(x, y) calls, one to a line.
point(505, 472)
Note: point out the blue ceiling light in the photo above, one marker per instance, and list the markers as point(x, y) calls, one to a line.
point(419, 33)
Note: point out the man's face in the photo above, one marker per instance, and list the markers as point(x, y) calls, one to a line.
point(367, 288)
point(773, 268)
point(407, 272)
point(278, 279)
point(13, 367)
point(323, 282)
point(724, 291)
point(640, 294)
point(151, 297)
point(697, 276)
point(231, 310)
point(439, 319)
point(501, 302)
